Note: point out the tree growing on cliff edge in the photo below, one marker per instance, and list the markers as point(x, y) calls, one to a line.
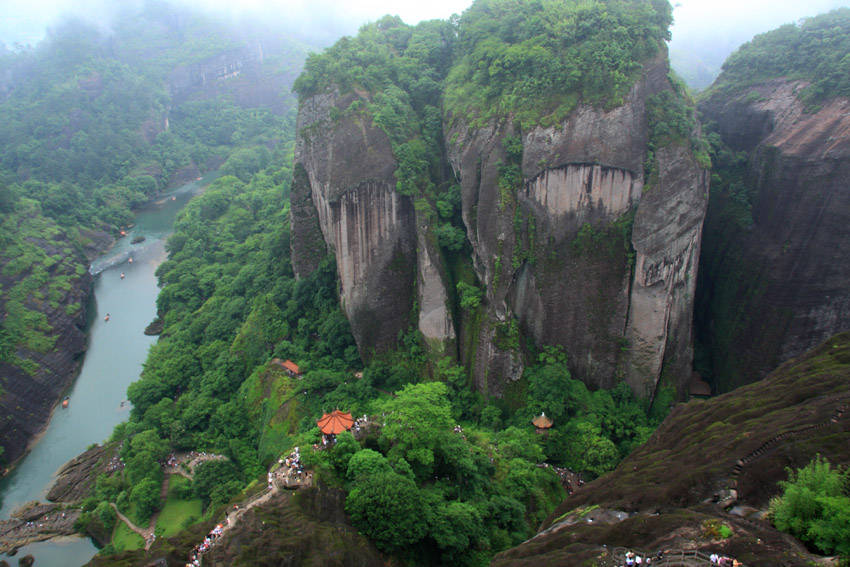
point(815, 506)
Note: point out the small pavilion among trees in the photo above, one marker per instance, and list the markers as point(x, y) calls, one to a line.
point(335, 422)
point(542, 423)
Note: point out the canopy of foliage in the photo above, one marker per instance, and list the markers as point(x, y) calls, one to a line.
point(536, 59)
point(815, 507)
point(817, 51)
point(89, 131)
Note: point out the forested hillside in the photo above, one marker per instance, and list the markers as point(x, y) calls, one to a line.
point(93, 125)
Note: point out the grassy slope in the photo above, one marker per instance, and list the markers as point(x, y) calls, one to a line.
point(176, 511)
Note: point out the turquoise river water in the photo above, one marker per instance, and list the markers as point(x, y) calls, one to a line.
point(114, 356)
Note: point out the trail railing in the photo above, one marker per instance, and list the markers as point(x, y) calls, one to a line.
point(676, 557)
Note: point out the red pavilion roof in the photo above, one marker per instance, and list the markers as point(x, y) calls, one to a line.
point(335, 422)
point(542, 422)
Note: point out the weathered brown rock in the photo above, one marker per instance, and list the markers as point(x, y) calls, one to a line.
point(787, 274)
point(38, 522)
point(77, 477)
point(740, 444)
point(565, 273)
point(344, 190)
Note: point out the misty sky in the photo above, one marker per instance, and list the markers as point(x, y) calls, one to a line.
point(718, 24)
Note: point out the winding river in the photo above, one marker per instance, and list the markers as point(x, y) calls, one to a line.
point(116, 350)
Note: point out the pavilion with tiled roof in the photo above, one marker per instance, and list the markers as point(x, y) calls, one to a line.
point(542, 423)
point(335, 422)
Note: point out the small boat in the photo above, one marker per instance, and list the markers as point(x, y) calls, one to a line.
point(122, 275)
point(65, 402)
point(106, 318)
point(130, 260)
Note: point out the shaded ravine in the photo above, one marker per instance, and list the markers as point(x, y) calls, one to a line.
point(115, 352)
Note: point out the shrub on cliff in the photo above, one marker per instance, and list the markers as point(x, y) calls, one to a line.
point(815, 506)
point(537, 59)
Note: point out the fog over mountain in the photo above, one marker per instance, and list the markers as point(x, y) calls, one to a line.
point(705, 32)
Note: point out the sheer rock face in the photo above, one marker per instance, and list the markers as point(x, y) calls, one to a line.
point(29, 398)
point(555, 255)
point(347, 190)
point(558, 256)
point(794, 255)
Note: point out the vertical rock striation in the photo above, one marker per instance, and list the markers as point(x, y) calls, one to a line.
point(347, 189)
point(583, 255)
point(572, 246)
point(779, 287)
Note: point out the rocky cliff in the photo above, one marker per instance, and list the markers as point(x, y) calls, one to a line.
point(241, 72)
point(344, 197)
point(586, 254)
point(35, 376)
point(776, 286)
point(581, 253)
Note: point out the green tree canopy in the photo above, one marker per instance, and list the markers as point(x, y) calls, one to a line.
point(815, 507)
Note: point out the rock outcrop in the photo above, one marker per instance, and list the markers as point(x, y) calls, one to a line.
point(558, 254)
point(778, 287)
point(38, 522)
point(583, 254)
point(31, 389)
point(240, 72)
point(344, 200)
point(77, 477)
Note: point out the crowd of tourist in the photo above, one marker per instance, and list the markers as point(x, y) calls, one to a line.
point(636, 560)
point(723, 561)
point(291, 470)
point(116, 463)
point(204, 546)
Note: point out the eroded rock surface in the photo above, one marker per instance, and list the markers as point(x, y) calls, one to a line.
point(557, 254)
point(778, 287)
point(344, 191)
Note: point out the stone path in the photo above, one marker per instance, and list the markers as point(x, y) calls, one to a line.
point(283, 478)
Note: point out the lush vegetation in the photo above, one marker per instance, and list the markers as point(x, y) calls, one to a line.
point(815, 507)
point(230, 304)
point(536, 60)
point(815, 51)
point(417, 487)
point(88, 132)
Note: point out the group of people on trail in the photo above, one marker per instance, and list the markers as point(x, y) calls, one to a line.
point(294, 470)
point(459, 430)
point(204, 546)
point(635, 560)
point(115, 463)
point(723, 561)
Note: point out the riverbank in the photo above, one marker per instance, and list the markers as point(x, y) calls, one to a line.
point(113, 359)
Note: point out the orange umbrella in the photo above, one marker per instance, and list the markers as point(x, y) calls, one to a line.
point(335, 423)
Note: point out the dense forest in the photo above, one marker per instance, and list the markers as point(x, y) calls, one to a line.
point(815, 51)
